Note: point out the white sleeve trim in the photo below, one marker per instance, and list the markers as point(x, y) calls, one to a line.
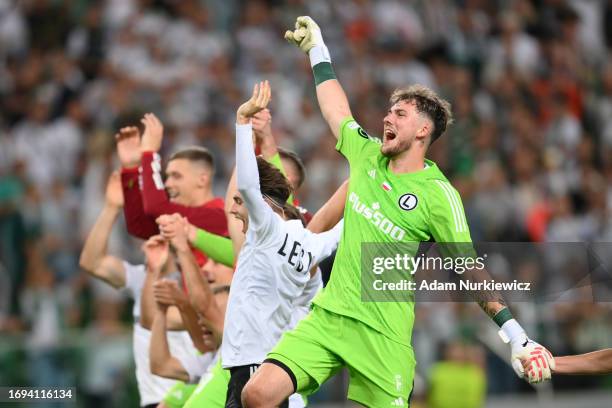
point(513, 331)
point(455, 205)
point(319, 54)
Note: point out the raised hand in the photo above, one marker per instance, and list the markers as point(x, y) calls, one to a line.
point(259, 101)
point(114, 192)
point(262, 125)
point(176, 229)
point(306, 35)
point(262, 131)
point(153, 133)
point(128, 146)
point(156, 251)
point(167, 293)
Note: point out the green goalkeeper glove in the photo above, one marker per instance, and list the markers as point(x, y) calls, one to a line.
point(307, 36)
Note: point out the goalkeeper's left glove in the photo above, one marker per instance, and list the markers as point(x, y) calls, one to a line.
point(307, 36)
point(541, 362)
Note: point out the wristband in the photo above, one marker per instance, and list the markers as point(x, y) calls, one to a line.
point(511, 331)
point(502, 316)
point(323, 72)
point(319, 54)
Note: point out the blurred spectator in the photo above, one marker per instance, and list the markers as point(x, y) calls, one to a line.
point(458, 381)
point(107, 356)
point(48, 309)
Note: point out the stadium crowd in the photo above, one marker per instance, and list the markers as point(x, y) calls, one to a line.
point(531, 150)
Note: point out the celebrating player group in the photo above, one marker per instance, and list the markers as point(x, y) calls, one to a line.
point(230, 309)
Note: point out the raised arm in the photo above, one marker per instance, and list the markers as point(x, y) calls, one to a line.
point(161, 361)
point(332, 211)
point(332, 99)
point(201, 296)
point(263, 133)
point(128, 149)
point(264, 139)
point(247, 173)
point(94, 257)
point(156, 256)
point(155, 201)
point(167, 292)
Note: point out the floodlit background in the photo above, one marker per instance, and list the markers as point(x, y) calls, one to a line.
point(530, 152)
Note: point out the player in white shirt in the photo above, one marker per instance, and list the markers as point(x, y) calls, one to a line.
point(120, 274)
point(207, 394)
point(275, 260)
point(171, 225)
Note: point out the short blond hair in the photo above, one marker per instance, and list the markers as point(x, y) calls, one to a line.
point(428, 103)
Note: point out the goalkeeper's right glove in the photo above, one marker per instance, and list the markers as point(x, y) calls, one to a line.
point(307, 36)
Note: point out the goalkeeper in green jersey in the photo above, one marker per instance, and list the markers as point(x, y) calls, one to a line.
point(395, 195)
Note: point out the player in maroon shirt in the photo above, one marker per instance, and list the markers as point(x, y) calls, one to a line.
point(187, 189)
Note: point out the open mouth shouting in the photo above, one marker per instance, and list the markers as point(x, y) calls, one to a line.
point(389, 135)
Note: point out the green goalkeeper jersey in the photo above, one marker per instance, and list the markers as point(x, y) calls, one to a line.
point(383, 207)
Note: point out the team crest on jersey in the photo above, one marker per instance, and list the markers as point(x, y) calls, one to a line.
point(386, 186)
point(363, 133)
point(408, 202)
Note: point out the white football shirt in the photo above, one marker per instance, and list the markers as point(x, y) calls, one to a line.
point(151, 388)
point(272, 271)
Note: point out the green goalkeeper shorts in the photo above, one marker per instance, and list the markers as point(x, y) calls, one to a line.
point(177, 396)
point(212, 389)
point(381, 370)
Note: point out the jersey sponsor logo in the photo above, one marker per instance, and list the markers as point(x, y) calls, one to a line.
point(375, 217)
point(408, 202)
point(372, 173)
point(296, 255)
